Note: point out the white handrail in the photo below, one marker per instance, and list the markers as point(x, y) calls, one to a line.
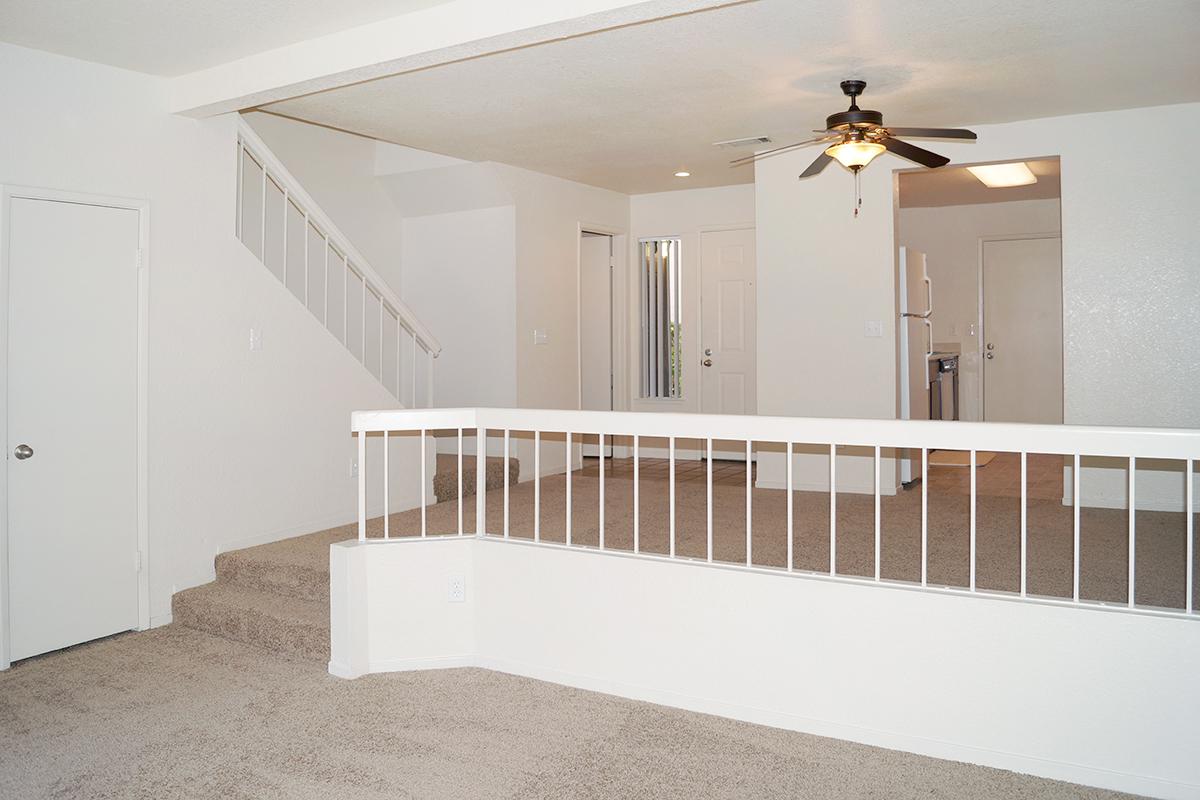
point(282, 176)
point(1169, 443)
point(1130, 444)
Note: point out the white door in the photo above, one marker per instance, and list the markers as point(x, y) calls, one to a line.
point(729, 322)
point(1022, 331)
point(595, 329)
point(72, 409)
point(916, 345)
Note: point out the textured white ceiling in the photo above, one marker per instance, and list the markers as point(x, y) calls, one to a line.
point(171, 37)
point(627, 108)
point(955, 186)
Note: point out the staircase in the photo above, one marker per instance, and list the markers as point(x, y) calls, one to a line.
point(276, 596)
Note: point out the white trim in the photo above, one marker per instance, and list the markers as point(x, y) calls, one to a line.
point(1121, 442)
point(142, 207)
point(416, 664)
point(617, 357)
point(159, 620)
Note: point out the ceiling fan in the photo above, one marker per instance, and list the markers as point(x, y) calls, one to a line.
point(857, 136)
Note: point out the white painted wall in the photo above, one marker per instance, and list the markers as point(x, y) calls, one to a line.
point(243, 446)
point(1042, 689)
point(1130, 280)
point(460, 269)
point(949, 236)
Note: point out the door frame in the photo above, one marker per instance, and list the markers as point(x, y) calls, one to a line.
point(1062, 311)
point(8, 193)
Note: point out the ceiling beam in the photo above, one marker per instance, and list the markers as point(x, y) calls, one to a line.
point(428, 37)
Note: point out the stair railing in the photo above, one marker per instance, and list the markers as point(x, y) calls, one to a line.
point(281, 224)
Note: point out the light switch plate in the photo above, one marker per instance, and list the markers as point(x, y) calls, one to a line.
point(539, 335)
point(256, 338)
point(873, 329)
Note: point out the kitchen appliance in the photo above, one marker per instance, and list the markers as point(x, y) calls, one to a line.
point(916, 347)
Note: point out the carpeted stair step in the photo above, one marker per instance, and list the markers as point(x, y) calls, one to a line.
point(445, 481)
point(276, 570)
point(274, 622)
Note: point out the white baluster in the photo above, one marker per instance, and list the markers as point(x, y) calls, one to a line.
point(387, 529)
point(637, 508)
point(537, 486)
point(1075, 522)
point(878, 525)
point(749, 506)
point(460, 480)
point(790, 528)
point(972, 578)
point(833, 509)
point(1132, 531)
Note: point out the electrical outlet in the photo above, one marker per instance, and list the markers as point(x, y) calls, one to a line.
point(256, 338)
point(353, 466)
point(873, 329)
point(456, 589)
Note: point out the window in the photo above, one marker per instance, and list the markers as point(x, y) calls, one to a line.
point(661, 348)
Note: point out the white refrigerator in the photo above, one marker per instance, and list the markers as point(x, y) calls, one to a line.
point(916, 347)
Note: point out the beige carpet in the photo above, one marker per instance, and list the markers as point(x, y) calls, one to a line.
point(172, 714)
point(959, 458)
point(1161, 541)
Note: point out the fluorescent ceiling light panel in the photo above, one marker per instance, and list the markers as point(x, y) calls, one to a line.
point(996, 176)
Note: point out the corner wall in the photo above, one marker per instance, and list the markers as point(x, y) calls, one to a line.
point(244, 446)
point(1079, 694)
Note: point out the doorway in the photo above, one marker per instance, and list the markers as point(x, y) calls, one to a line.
point(1022, 324)
point(728, 327)
point(596, 374)
point(74, 537)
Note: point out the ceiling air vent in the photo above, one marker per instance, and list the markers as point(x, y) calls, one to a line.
point(748, 141)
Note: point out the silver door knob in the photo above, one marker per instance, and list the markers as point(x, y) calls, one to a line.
point(989, 355)
point(708, 351)
point(707, 362)
point(991, 346)
point(23, 451)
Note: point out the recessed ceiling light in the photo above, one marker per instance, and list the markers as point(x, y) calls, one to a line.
point(683, 173)
point(996, 176)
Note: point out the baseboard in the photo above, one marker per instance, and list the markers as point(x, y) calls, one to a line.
point(340, 670)
point(161, 620)
point(890, 740)
point(934, 748)
point(847, 488)
point(415, 664)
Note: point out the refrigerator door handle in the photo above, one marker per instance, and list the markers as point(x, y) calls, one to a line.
point(928, 348)
point(928, 297)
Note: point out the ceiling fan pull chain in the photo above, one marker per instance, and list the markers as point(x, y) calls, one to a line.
point(857, 193)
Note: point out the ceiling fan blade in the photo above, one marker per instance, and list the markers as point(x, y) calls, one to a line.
point(914, 153)
point(747, 159)
point(934, 133)
point(816, 166)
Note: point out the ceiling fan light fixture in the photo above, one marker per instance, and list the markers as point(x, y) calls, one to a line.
point(854, 155)
point(683, 173)
point(998, 176)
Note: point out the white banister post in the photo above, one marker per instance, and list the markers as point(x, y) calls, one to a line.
point(362, 486)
